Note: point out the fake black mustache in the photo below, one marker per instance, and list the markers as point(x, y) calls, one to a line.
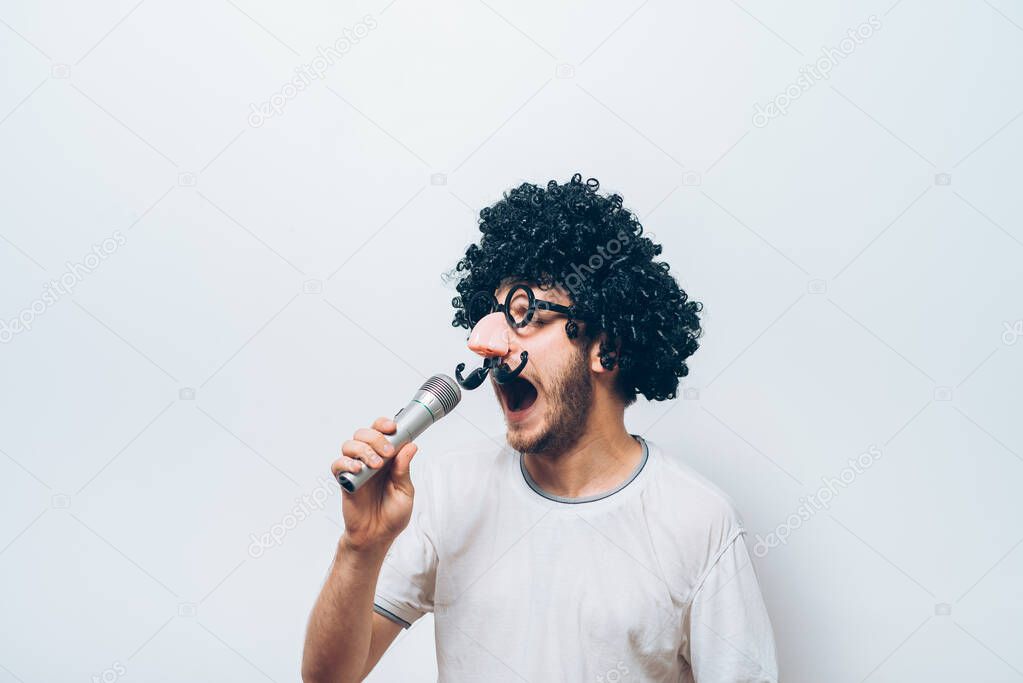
point(502, 371)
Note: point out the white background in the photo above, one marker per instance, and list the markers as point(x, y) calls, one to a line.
point(280, 286)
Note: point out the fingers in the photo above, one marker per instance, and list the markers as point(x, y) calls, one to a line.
point(377, 442)
point(402, 460)
point(345, 464)
point(367, 448)
point(360, 451)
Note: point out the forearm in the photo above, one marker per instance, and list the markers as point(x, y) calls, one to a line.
point(340, 627)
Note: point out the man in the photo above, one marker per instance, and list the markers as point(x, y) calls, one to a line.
point(575, 551)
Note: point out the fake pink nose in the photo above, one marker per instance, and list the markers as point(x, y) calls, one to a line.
point(490, 336)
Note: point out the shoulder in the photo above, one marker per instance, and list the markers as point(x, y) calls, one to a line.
point(690, 514)
point(685, 494)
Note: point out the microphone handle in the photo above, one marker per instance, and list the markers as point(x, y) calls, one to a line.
point(412, 420)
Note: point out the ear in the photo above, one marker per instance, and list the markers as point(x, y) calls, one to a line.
point(596, 362)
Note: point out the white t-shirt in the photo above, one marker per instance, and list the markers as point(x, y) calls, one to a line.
point(651, 581)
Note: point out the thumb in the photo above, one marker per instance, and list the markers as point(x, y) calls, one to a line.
point(400, 471)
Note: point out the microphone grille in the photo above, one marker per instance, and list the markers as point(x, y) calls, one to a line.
point(445, 390)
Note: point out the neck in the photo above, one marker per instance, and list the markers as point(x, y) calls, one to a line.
point(603, 457)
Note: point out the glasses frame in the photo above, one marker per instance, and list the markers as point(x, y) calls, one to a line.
point(534, 305)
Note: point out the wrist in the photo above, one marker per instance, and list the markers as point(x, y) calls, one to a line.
point(368, 549)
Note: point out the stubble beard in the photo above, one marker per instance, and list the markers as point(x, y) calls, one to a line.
point(568, 401)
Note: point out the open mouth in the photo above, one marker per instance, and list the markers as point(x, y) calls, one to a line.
point(519, 394)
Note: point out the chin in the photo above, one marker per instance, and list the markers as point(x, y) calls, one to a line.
point(528, 433)
point(527, 438)
point(542, 435)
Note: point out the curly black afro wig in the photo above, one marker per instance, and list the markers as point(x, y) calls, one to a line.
point(570, 237)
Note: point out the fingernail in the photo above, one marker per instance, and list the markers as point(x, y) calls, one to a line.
point(388, 449)
point(377, 460)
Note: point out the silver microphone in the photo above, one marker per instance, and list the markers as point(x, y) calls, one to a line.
point(436, 398)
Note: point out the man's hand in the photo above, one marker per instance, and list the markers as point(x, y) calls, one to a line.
point(381, 508)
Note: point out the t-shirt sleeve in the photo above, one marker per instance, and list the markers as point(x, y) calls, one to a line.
point(728, 633)
point(405, 587)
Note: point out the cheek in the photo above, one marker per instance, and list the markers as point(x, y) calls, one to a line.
point(552, 356)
